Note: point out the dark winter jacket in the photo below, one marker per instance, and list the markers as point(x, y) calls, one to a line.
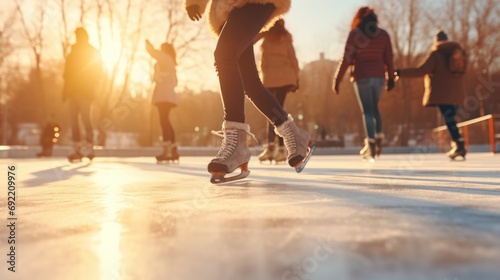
point(82, 72)
point(371, 57)
point(441, 86)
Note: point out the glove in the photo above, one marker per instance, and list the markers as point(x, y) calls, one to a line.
point(296, 87)
point(390, 84)
point(336, 86)
point(193, 12)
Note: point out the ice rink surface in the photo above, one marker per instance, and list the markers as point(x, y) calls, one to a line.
point(413, 216)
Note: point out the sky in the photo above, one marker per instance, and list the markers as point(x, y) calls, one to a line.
point(317, 26)
point(320, 26)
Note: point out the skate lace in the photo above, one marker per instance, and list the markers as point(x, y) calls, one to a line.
point(289, 139)
point(229, 142)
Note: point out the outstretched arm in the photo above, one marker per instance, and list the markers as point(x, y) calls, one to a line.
point(425, 68)
point(156, 54)
point(389, 59)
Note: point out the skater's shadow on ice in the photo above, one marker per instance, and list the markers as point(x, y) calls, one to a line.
point(57, 173)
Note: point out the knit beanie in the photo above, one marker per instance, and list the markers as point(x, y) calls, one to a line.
point(441, 36)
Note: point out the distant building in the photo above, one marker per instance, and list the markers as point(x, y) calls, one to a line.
point(316, 77)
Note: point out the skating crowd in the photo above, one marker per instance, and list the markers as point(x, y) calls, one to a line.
point(239, 24)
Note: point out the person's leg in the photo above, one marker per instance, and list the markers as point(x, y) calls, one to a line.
point(457, 146)
point(235, 63)
point(73, 108)
point(377, 94)
point(270, 152)
point(85, 106)
point(449, 112)
point(236, 38)
point(280, 95)
point(271, 135)
point(297, 140)
point(260, 96)
point(364, 94)
point(169, 146)
point(164, 116)
point(379, 135)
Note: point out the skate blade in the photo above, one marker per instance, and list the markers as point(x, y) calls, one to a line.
point(219, 177)
point(369, 159)
point(458, 156)
point(167, 161)
point(302, 165)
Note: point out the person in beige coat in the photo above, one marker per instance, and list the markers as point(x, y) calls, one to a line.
point(164, 96)
point(444, 88)
point(280, 75)
point(237, 23)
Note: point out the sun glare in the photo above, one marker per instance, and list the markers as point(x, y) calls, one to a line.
point(110, 51)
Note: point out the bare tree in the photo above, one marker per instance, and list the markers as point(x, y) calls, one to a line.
point(474, 25)
point(7, 48)
point(411, 37)
point(33, 32)
point(6, 32)
point(64, 31)
point(129, 24)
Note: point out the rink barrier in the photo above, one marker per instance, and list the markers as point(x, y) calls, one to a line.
point(492, 137)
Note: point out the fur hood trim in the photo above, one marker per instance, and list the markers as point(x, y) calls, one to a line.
point(219, 10)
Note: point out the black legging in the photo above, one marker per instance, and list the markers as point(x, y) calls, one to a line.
point(235, 64)
point(166, 127)
point(280, 94)
point(449, 112)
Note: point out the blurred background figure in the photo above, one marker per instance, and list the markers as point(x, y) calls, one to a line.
point(280, 75)
point(82, 73)
point(443, 69)
point(48, 138)
point(164, 96)
point(368, 51)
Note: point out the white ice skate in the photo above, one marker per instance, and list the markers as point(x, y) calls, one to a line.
point(81, 150)
point(233, 153)
point(297, 142)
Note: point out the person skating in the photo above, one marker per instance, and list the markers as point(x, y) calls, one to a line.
point(165, 97)
point(82, 73)
point(368, 51)
point(237, 23)
point(443, 71)
point(280, 75)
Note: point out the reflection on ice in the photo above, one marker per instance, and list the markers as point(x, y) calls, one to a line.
point(109, 237)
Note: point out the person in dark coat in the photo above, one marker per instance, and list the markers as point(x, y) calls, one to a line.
point(82, 74)
point(443, 88)
point(368, 52)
